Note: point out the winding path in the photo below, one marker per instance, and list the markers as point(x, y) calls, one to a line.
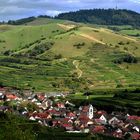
point(76, 64)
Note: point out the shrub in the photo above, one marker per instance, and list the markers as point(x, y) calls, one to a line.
point(126, 58)
point(8, 52)
point(39, 49)
point(79, 45)
point(121, 43)
point(58, 56)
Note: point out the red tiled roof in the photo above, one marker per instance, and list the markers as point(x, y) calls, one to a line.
point(101, 112)
point(60, 105)
point(40, 115)
point(119, 135)
point(41, 97)
point(2, 89)
point(82, 117)
point(134, 118)
point(66, 119)
point(11, 96)
point(85, 109)
point(54, 112)
point(99, 129)
point(70, 114)
point(51, 111)
point(98, 120)
point(135, 136)
point(66, 125)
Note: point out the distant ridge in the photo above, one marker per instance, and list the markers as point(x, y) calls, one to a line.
point(24, 20)
point(92, 16)
point(103, 17)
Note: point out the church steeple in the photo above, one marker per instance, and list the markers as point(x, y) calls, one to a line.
point(90, 112)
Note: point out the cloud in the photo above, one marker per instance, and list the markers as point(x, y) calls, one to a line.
point(13, 9)
point(136, 1)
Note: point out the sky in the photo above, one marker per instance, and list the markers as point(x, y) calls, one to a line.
point(16, 9)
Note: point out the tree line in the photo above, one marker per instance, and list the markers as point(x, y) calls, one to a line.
point(93, 16)
point(103, 17)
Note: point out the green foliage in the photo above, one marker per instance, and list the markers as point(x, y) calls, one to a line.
point(10, 60)
point(30, 60)
point(58, 56)
point(103, 17)
point(79, 45)
point(127, 59)
point(15, 128)
point(37, 50)
point(2, 41)
point(41, 48)
point(1, 84)
point(21, 21)
point(130, 96)
point(8, 52)
point(121, 43)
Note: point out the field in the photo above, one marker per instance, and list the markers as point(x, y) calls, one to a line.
point(127, 30)
point(56, 55)
point(110, 100)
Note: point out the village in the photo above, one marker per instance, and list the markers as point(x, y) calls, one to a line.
point(55, 110)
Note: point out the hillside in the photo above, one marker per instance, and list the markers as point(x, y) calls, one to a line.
point(48, 54)
point(103, 17)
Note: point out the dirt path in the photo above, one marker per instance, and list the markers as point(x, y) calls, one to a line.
point(67, 27)
point(91, 38)
point(76, 64)
point(129, 38)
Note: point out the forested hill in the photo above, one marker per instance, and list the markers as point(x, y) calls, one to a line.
point(103, 17)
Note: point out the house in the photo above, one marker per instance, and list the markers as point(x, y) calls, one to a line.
point(99, 129)
point(36, 116)
point(100, 119)
point(101, 112)
point(77, 122)
point(133, 118)
point(67, 120)
point(68, 103)
point(90, 122)
point(136, 128)
point(87, 111)
point(135, 136)
point(32, 118)
point(71, 115)
point(67, 126)
point(60, 105)
point(118, 133)
point(2, 96)
point(86, 130)
point(41, 97)
point(113, 121)
point(2, 90)
point(11, 97)
point(84, 119)
point(48, 103)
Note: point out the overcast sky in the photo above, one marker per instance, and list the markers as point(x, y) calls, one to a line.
point(15, 9)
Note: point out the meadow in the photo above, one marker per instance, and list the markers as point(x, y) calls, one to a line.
point(56, 55)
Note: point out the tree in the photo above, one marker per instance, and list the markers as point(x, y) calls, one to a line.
point(103, 17)
point(1, 84)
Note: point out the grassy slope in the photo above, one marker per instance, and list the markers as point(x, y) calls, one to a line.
point(98, 70)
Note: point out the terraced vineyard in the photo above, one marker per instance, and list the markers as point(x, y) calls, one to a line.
point(55, 55)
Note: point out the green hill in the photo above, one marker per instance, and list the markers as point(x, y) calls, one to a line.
point(49, 54)
point(103, 17)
